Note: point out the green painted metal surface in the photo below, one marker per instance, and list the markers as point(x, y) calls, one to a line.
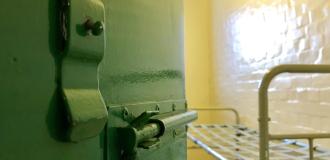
point(32, 113)
point(84, 51)
point(46, 90)
point(144, 51)
point(142, 70)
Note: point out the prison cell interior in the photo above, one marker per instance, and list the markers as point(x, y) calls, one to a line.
point(237, 142)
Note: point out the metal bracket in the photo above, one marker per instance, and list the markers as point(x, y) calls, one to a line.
point(84, 51)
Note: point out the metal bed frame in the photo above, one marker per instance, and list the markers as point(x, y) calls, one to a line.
point(277, 146)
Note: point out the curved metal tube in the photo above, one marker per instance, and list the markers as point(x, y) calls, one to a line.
point(263, 99)
point(237, 118)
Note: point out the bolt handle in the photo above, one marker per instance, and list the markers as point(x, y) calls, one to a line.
point(96, 28)
point(142, 119)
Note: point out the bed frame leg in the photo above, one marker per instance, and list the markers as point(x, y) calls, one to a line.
point(311, 148)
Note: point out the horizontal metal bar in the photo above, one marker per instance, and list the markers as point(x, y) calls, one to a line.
point(206, 147)
point(139, 132)
point(199, 147)
point(237, 117)
point(174, 121)
point(299, 136)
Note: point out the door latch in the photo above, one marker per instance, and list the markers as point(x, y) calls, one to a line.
point(84, 51)
point(145, 130)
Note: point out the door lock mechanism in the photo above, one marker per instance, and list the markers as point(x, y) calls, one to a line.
point(145, 130)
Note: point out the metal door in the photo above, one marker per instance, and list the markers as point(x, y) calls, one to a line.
point(143, 71)
point(33, 118)
point(92, 79)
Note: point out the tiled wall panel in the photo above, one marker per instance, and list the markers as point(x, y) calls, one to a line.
point(250, 37)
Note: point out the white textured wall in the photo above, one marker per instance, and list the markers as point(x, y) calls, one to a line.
point(253, 36)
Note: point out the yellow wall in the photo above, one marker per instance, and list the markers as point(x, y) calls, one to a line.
point(198, 52)
point(198, 61)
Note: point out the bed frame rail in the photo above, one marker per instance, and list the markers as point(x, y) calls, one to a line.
point(209, 149)
point(264, 119)
point(229, 109)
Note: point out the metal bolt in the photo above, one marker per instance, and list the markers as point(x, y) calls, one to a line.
point(157, 107)
point(173, 107)
point(175, 133)
point(185, 105)
point(95, 27)
point(125, 113)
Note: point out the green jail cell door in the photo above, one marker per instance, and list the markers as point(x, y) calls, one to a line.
point(33, 118)
point(74, 73)
point(142, 70)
